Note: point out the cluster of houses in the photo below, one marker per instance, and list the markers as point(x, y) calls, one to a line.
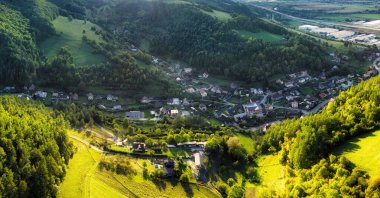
point(345, 35)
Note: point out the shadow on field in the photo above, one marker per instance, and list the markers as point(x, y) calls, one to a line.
point(160, 184)
point(187, 188)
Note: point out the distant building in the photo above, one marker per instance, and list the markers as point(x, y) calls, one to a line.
point(174, 112)
point(134, 115)
point(41, 94)
point(308, 27)
point(138, 147)
point(294, 104)
point(90, 96)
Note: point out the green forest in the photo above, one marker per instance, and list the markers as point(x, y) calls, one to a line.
point(34, 149)
point(183, 31)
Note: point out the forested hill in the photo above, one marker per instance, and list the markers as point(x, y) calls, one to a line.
point(19, 55)
point(303, 142)
point(34, 149)
point(209, 38)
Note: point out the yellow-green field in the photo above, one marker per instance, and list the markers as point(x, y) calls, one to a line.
point(246, 141)
point(272, 176)
point(69, 34)
point(364, 152)
point(84, 179)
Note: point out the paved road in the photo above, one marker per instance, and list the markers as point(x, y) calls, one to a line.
point(376, 30)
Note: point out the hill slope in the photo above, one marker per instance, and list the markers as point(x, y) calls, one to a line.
point(364, 152)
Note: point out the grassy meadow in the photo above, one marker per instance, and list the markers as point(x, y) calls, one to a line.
point(69, 34)
point(85, 179)
point(261, 35)
point(364, 152)
point(220, 15)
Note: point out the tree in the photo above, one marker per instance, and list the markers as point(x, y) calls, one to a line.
point(236, 191)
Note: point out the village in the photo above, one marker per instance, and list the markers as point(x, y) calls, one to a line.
point(225, 104)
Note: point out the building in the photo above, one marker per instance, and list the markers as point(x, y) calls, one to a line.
point(134, 115)
point(307, 27)
point(203, 93)
point(185, 113)
point(146, 99)
point(294, 104)
point(138, 147)
point(169, 165)
point(253, 109)
point(117, 108)
point(174, 101)
point(90, 96)
point(174, 112)
point(188, 70)
point(41, 94)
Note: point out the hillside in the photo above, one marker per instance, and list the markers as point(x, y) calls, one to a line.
point(363, 151)
point(213, 38)
point(34, 149)
point(69, 34)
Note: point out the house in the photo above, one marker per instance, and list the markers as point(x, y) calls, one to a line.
point(41, 94)
point(9, 88)
point(289, 84)
point(134, 115)
point(253, 109)
point(322, 95)
point(146, 99)
point(198, 160)
point(202, 107)
point(294, 104)
point(185, 113)
point(257, 91)
point(185, 102)
point(111, 97)
point(203, 93)
point(90, 96)
point(188, 70)
point(117, 108)
point(174, 112)
point(190, 90)
point(216, 89)
point(169, 165)
point(163, 111)
point(174, 101)
point(54, 95)
point(138, 147)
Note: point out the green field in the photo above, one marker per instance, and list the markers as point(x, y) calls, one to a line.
point(247, 142)
point(262, 35)
point(271, 173)
point(222, 16)
point(69, 34)
point(78, 180)
point(84, 179)
point(364, 152)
